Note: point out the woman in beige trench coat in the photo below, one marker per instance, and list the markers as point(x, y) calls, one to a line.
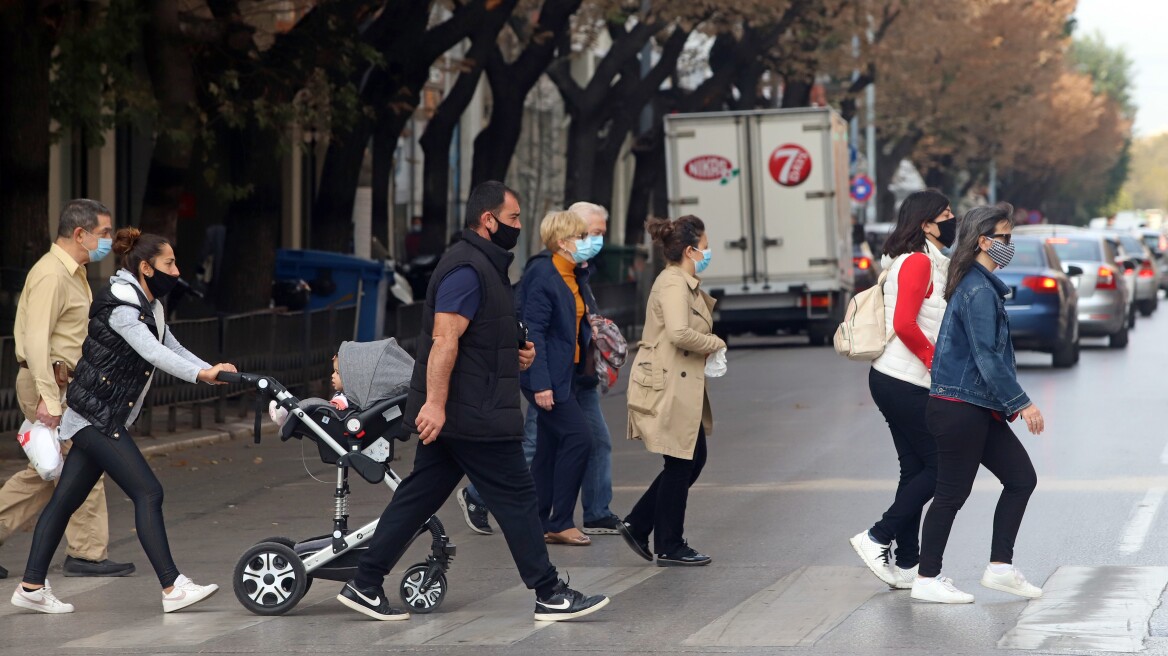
point(668, 406)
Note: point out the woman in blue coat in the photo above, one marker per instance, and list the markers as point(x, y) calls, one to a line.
point(551, 305)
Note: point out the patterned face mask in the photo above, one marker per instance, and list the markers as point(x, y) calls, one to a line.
point(1001, 253)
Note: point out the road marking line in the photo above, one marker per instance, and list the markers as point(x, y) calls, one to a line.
point(1164, 455)
point(795, 611)
point(506, 618)
point(1090, 608)
point(1140, 523)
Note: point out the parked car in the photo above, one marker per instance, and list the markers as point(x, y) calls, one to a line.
point(1145, 273)
point(1104, 296)
point(1043, 301)
point(1157, 242)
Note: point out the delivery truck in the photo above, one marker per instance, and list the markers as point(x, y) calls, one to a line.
point(772, 189)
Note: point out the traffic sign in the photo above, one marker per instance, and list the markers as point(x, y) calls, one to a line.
point(862, 188)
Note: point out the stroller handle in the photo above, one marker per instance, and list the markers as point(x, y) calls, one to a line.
point(264, 386)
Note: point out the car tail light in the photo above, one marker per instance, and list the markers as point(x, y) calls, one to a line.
point(1106, 279)
point(1163, 243)
point(1041, 284)
point(862, 263)
point(815, 301)
point(1146, 270)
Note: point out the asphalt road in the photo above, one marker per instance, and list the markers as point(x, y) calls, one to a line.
point(800, 461)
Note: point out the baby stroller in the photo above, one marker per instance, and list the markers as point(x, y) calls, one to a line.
point(274, 575)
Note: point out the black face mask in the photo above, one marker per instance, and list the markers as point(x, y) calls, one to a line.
point(948, 232)
point(504, 236)
point(161, 284)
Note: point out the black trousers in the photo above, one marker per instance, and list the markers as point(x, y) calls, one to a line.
point(967, 436)
point(92, 455)
point(661, 509)
point(563, 446)
point(499, 471)
point(903, 406)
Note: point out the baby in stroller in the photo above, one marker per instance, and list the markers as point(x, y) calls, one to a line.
point(354, 430)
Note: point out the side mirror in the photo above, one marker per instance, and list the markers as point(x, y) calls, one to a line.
point(1073, 270)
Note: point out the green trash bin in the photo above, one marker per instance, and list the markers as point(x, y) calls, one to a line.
point(615, 264)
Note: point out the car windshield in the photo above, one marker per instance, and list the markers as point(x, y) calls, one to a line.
point(1028, 253)
point(1152, 241)
point(1077, 249)
point(1132, 245)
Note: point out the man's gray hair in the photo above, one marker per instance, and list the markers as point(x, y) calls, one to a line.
point(584, 208)
point(81, 213)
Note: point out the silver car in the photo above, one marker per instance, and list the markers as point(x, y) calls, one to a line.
point(1144, 272)
point(1092, 261)
point(1157, 242)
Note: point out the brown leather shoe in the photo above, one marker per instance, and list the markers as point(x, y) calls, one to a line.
point(571, 537)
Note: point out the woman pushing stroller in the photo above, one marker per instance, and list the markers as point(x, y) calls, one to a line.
point(128, 340)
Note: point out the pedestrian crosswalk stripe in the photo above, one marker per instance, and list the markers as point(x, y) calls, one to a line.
point(506, 618)
point(1140, 522)
point(171, 630)
point(795, 611)
point(1090, 608)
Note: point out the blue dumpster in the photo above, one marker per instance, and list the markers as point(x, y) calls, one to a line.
point(342, 281)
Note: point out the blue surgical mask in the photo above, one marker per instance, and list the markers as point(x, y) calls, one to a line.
point(104, 246)
point(701, 265)
point(596, 243)
point(583, 252)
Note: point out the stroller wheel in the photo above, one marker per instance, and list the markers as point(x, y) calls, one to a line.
point(418, 599)
point(269, 579)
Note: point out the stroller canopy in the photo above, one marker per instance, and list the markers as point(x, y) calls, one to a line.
point(374, 371)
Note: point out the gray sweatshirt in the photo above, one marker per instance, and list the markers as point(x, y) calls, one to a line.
point(168, 355)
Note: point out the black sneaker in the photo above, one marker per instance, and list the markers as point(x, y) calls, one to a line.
point(639, 546)
point(371, 602)
point(606, 526)
point(685, 556)
point(475, 514)
point(567, 604)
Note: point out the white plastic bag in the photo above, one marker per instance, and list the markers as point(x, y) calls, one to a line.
point(42, 449)
point(716, 364)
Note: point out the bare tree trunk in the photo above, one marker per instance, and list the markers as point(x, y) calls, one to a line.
point(255, 220)
point(173, 79)
point(26, 43)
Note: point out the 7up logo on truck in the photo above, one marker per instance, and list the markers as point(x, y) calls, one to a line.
point(711, 167)
point(790, 165)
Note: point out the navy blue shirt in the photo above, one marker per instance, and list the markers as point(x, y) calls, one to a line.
point(459, 292)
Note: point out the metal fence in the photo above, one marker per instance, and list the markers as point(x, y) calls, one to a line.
point(295, 348)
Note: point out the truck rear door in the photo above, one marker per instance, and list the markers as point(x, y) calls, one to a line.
point(707, 179)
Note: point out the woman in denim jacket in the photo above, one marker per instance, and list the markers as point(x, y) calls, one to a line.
point(974, 393)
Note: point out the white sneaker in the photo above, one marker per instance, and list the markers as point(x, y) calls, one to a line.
point(874, 555)
point(1012, 582)
point(42, 601)
point(185, 593)
point(940, 590)
point(904, 577)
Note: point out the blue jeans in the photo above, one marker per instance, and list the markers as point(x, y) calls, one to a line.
point(596, 493)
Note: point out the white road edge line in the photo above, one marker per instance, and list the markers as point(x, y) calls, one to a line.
point(1164, 455)
point(1141, 521)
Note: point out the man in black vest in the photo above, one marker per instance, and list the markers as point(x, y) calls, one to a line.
point(464, 406)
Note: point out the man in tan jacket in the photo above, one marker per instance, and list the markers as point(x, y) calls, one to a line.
point(52, 320)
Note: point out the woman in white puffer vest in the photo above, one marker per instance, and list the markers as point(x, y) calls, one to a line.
point(914, 305)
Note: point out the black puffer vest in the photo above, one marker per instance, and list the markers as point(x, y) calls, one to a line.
point(111, 375)
point(483, 403)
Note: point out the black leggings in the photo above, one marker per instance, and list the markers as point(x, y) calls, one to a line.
point(94, 454)
point(903, 406)
point(968, 436)
point(661, 510)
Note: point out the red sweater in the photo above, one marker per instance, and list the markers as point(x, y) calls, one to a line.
point(914, 285)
